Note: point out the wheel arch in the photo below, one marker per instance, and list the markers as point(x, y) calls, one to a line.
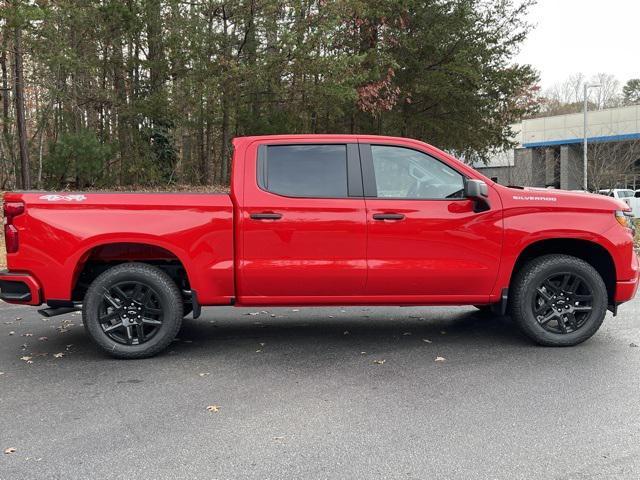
point(591, 252)
point(100, 256)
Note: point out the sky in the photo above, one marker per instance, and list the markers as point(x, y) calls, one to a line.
point(588, 36)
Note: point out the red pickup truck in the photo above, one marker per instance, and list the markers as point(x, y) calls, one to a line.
point(322, 220)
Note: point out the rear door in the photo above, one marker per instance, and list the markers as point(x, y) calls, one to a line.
point(426, 243)
point(303, 224)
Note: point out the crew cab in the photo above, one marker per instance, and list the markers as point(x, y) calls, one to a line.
point(322, 220)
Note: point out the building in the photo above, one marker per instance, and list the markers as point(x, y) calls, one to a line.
point(549, 151)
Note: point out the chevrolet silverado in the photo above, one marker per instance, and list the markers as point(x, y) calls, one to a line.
point(321, 220)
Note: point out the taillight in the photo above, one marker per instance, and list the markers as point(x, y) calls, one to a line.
point(11, 210)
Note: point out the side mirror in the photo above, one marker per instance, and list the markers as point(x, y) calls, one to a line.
point(476, 190)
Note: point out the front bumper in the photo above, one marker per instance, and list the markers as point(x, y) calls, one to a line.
point(626, 290)
point(20, 288)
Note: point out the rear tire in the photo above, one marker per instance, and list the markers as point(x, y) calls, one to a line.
point(133, 310)
point(558, 300)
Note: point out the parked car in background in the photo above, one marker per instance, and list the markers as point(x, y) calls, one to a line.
point(628, 196)
point(322, 220)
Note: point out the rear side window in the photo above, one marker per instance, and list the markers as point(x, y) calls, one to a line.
point(318, 171)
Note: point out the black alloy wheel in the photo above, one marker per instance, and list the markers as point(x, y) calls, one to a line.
point(133, 310)
point(558, 300)
point(563, 303)
point(130, 313)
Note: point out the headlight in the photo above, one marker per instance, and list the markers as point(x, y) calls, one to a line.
point(626, 220)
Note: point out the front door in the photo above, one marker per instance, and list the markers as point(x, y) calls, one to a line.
point(303, 225)
point(426, 241)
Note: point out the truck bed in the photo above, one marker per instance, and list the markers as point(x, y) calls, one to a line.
point(61, 230)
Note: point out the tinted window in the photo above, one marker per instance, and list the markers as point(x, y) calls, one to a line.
point(307, 170)
point(405, 173)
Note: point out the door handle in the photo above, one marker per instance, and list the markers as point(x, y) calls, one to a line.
point(388, 216)
point(266, 216)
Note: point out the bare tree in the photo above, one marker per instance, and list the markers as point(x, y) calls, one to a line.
point(609, 94)
point(611, 165)
point(567, 97)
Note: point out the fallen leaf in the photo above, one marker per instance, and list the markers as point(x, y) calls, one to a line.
point(9, 450)
point(426, 340)
point(213, 408)
point(203, 374)
point(58, 355)
point(379, 362)
point(440, 359)
point(43, 339)
point(26, 358)
point(278, 438)
point(12, 332)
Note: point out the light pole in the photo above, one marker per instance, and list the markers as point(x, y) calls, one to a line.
point(585, 183)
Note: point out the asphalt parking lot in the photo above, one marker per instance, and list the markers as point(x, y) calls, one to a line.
point(321, 394)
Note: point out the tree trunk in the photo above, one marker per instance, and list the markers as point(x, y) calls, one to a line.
point(226, 139)
point(20, 120)
point(156, 60)
point(6, 107)
point(121, 107)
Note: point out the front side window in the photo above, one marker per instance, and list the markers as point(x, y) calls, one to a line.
point(318, 171)
point(405, 173)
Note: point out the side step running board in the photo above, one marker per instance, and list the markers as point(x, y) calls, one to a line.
point(53, 312)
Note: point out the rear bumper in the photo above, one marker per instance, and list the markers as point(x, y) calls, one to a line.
point(19, 288)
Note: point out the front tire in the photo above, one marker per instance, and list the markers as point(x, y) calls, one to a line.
point(558, 300)
point(133, 310)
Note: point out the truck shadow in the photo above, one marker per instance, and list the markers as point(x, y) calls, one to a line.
point(229, 333)
point(374, 330)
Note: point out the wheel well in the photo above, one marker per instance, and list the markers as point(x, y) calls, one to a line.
point(592, 253)
point(101, 258)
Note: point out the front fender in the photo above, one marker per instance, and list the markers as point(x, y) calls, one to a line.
point(525, 229)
